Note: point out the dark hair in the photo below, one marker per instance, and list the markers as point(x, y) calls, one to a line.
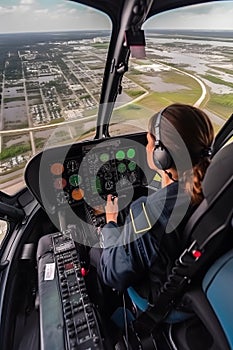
point(196, 131)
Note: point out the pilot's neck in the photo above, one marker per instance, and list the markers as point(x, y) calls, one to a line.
point(168, 177)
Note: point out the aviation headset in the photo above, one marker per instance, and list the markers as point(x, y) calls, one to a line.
point(161, 155)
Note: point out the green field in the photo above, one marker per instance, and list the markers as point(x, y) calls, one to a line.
point(221, 105)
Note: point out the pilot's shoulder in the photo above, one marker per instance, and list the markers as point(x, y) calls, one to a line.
point(140, 216)
point(137, 204)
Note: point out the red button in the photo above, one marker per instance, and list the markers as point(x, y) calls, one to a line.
point(196, 253)
point(84, 272)
point(69, 266)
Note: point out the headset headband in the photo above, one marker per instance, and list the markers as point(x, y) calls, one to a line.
point(161, 156)
point(157, 127)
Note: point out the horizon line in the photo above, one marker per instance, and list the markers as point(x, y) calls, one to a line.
point(98, 30)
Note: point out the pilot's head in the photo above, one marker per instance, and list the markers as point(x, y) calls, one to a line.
point(179, 144)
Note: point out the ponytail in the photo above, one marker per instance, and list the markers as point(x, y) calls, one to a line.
point(193, 178)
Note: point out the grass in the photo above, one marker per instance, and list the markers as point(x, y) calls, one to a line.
point(134, 93)
point(132, 114)
point(181, 79)
point(157, 100)
point(224, 70)
point(14, 99)
point(172, 77)
point(142, 63)
point(221, 104)
point(40, 141)
point(89, 112)
point(101, 45)
point(217, 80)
point(14, 151)
point(55, 121)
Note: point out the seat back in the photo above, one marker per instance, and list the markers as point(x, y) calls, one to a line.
point(216, 209)
point(218, 288)
point(209, 236)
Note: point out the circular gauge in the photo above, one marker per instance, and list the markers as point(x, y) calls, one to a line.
point(132, 177)
point(57, 168)
point(132, 166)
point(107, 175)
point(60, 183)
point(106, 167)
point(72, 165)
point(121, 168)
point(75, 180)
point(104, 157)
point(131, 153)
point(92, 158)
point(93, 163)
point(108, 185)
point(120, 155)
point(62, 197)
point(77, 194)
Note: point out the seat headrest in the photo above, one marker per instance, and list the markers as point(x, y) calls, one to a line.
point(219, 172)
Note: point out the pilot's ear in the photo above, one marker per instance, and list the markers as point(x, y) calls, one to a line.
point(150, 143)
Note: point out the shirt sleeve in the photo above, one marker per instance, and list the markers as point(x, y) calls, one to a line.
point(128, 252)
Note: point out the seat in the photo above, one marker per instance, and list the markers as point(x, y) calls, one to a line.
point(218, 288)
point(205, 266)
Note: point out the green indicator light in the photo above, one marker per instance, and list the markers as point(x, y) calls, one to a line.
point(98, 185)
point(104, 157)
point(75, 180)
point(120, 155)
point(131, 153)
point(121, 168)
point(132, 166)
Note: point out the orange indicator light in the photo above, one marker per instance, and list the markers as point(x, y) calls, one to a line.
point(77, 194)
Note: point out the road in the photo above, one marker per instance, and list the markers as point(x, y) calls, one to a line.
point(31, 135)
point(200, 82)
point(44, 127)
point(1, 111)
point(13, 186)
point(214, 118)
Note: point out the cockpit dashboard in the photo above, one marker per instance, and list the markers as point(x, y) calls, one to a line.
point(77, 178)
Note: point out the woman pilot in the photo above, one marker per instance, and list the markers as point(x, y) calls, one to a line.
point(138, 256)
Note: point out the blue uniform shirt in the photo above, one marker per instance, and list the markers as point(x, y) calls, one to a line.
point(140, 253)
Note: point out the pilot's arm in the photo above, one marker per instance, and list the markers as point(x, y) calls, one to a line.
point(129, 252)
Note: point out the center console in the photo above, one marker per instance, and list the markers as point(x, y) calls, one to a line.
point(68, 319)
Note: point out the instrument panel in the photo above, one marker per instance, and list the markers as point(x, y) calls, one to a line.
point(107, 168)
point(88, 171)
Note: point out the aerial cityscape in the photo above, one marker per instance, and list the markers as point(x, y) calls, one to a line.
point(50, 79)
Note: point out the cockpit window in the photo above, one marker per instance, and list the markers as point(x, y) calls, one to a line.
point(52, 58)
point(3, 230)
point(188, 59)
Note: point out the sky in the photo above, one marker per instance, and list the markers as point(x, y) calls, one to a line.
point(60, 15)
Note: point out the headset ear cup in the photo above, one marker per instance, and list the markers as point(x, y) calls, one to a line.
point(162, 158)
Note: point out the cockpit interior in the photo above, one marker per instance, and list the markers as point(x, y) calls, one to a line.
point(50, 299)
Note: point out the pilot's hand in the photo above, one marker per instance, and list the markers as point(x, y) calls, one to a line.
point(111, 208)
